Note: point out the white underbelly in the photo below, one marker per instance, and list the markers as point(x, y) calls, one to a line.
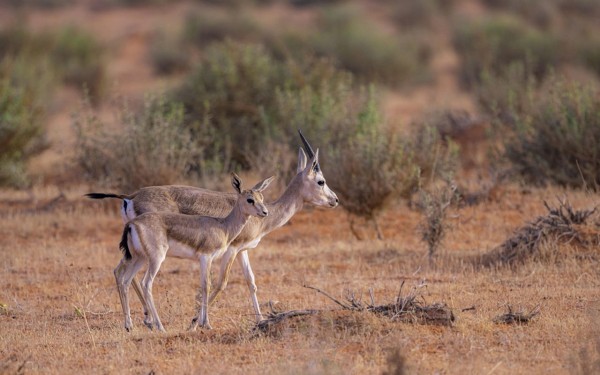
point(252, 244)
point(181, 250)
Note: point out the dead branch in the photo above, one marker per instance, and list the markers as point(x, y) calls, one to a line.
point(517, 317)
point(560, 224)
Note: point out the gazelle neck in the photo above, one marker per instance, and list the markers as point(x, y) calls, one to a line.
point(282, 210)
point(235, 221)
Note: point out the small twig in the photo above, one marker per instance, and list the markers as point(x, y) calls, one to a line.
point(328, 296)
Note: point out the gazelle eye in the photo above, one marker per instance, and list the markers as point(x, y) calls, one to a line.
point(250, 200)
point(321, 182)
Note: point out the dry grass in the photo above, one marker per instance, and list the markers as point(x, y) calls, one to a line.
point(59, 311)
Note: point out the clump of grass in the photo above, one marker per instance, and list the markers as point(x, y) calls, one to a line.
point(491, 44)
point(556, 139)
point(154, 147)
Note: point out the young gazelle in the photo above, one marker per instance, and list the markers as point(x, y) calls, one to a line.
point(308, 186)
point(151, 237)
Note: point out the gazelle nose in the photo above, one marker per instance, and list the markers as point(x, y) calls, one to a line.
point(265, 213)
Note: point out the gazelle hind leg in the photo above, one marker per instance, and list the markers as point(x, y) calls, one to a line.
point(124, 272)
point(138, 290)
point(244, 261)
point(127, 214)
point(153, 267)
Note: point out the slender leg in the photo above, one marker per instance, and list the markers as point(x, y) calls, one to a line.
point(138, 290)
point(127, 213)
point(202, 316)
point(226, 263)
point(249, 275)
point(153, 267)
point(123, 274)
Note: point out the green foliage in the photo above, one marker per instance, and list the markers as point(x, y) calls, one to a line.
point(356, 45)
point(491, 44)
point(79, 59)
point(590, 55)
point(21, 113)
point(556, 139)
point(151, 147)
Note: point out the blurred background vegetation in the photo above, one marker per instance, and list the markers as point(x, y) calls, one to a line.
point(223, 85)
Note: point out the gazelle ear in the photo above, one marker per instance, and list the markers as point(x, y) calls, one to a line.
point(313, 166)
point(236, 182)
point(263, 184)
point(301, 160)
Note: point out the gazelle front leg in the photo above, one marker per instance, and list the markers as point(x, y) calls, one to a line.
point(249, 275)
point(202, 316)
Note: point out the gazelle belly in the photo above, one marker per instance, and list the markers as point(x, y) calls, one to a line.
point(181, 250)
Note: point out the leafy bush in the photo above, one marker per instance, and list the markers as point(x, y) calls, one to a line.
point(556, 140)
point(491, 44)
point(357, 45)
point(151, 147)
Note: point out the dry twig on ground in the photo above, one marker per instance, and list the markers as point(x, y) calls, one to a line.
point(517, 317)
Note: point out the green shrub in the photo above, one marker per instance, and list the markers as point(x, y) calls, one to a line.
point(542, 13)
point(169, 55)
point(556, 140)
point(21, 111)
point(150, 147)
point(201, 29)
point(491, 44)
point(234, 86)
point(590, 55)
point(80, 60)
point(357, 46)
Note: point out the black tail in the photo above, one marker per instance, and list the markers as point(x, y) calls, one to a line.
point(102, 196)
point(123, 244)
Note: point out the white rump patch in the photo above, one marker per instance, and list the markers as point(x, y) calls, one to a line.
point(127, 213)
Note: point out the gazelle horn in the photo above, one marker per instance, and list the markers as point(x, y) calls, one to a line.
point(309, 150)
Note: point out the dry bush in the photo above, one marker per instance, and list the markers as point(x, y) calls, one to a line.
point(434, 205)
point(562, 224)
point(153, 147)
